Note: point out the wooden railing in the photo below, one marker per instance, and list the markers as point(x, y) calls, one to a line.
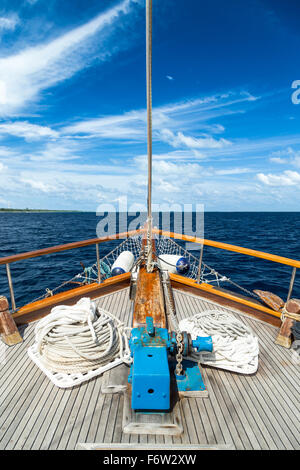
point(7, 260)
point(96, 241)
point(67, 246)
point(234, 248)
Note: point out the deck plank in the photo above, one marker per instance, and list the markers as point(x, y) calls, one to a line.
point(95, 411)
point(252, 412)
point(32, 418)
point(21, 401)
point(44, 422)
point(198, 420)
point(217, 418)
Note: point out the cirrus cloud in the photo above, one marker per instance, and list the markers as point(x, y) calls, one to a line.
point(23, 76)
point(27, 130)
point(181, 140)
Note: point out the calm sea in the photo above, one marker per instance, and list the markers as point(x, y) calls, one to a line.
point(277, 233)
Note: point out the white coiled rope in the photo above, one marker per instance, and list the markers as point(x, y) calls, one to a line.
point(235, 347)
point(75, 339)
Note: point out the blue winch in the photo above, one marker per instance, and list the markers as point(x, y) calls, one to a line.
point(150, 373)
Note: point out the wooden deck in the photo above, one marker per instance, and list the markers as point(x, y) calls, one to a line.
point(248, 412)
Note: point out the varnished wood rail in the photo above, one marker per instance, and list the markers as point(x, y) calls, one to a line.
point(236, 249)
point(96, 241)
point(228, 247)
point(56, 249)
point(201, 241)
point(65, 247)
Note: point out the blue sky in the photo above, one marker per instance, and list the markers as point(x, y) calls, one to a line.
point(72, 104)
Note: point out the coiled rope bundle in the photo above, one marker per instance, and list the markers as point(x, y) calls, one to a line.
point(235, 347)
point(77, 339)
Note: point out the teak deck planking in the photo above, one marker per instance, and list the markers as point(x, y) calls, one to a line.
point(259, 411)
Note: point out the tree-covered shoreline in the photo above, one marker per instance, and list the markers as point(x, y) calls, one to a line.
point(2, 209)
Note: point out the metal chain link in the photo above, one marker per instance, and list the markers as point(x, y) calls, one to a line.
point(169, 305)
point(174, 324)
point(179, 357)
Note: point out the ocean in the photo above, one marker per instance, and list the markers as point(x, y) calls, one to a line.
point(272, 232)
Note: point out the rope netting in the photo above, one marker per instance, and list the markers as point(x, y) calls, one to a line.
point(164, 245)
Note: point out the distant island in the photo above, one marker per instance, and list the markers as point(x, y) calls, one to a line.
point(3, 209)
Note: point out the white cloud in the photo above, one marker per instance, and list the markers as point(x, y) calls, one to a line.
point(190, 171)
point(127, 126)
point(169, 169)
point(31, 2)
point(281, 153)
point(88, 173)
point(169, 77)
point(186, 116)
point(290, 155)
point(181, 140)
point(254, 149)
point(24, 75)
point(39, 185)
point(180, 155)
point(68, 187)
point(278, 160)
point(27, 130)
point(166, 186)
point(6, 152)
point(232, 171)
point(287, 178)
point(57, 151)
point(9, 22)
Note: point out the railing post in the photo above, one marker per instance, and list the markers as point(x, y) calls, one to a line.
point(291, 284)
point(98, 263)
point(11, 288)
point(200, 264)
point(9, 331)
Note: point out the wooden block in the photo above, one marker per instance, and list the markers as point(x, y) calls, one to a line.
point(285, 333)
point(9, 331)
point(270, 299)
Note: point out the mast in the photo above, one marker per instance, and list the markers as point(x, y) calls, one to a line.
point(149, 129)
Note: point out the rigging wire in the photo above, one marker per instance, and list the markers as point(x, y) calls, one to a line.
point(149, 130)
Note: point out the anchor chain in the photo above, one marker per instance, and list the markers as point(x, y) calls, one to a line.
point(173, 320)
point(179, 357)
